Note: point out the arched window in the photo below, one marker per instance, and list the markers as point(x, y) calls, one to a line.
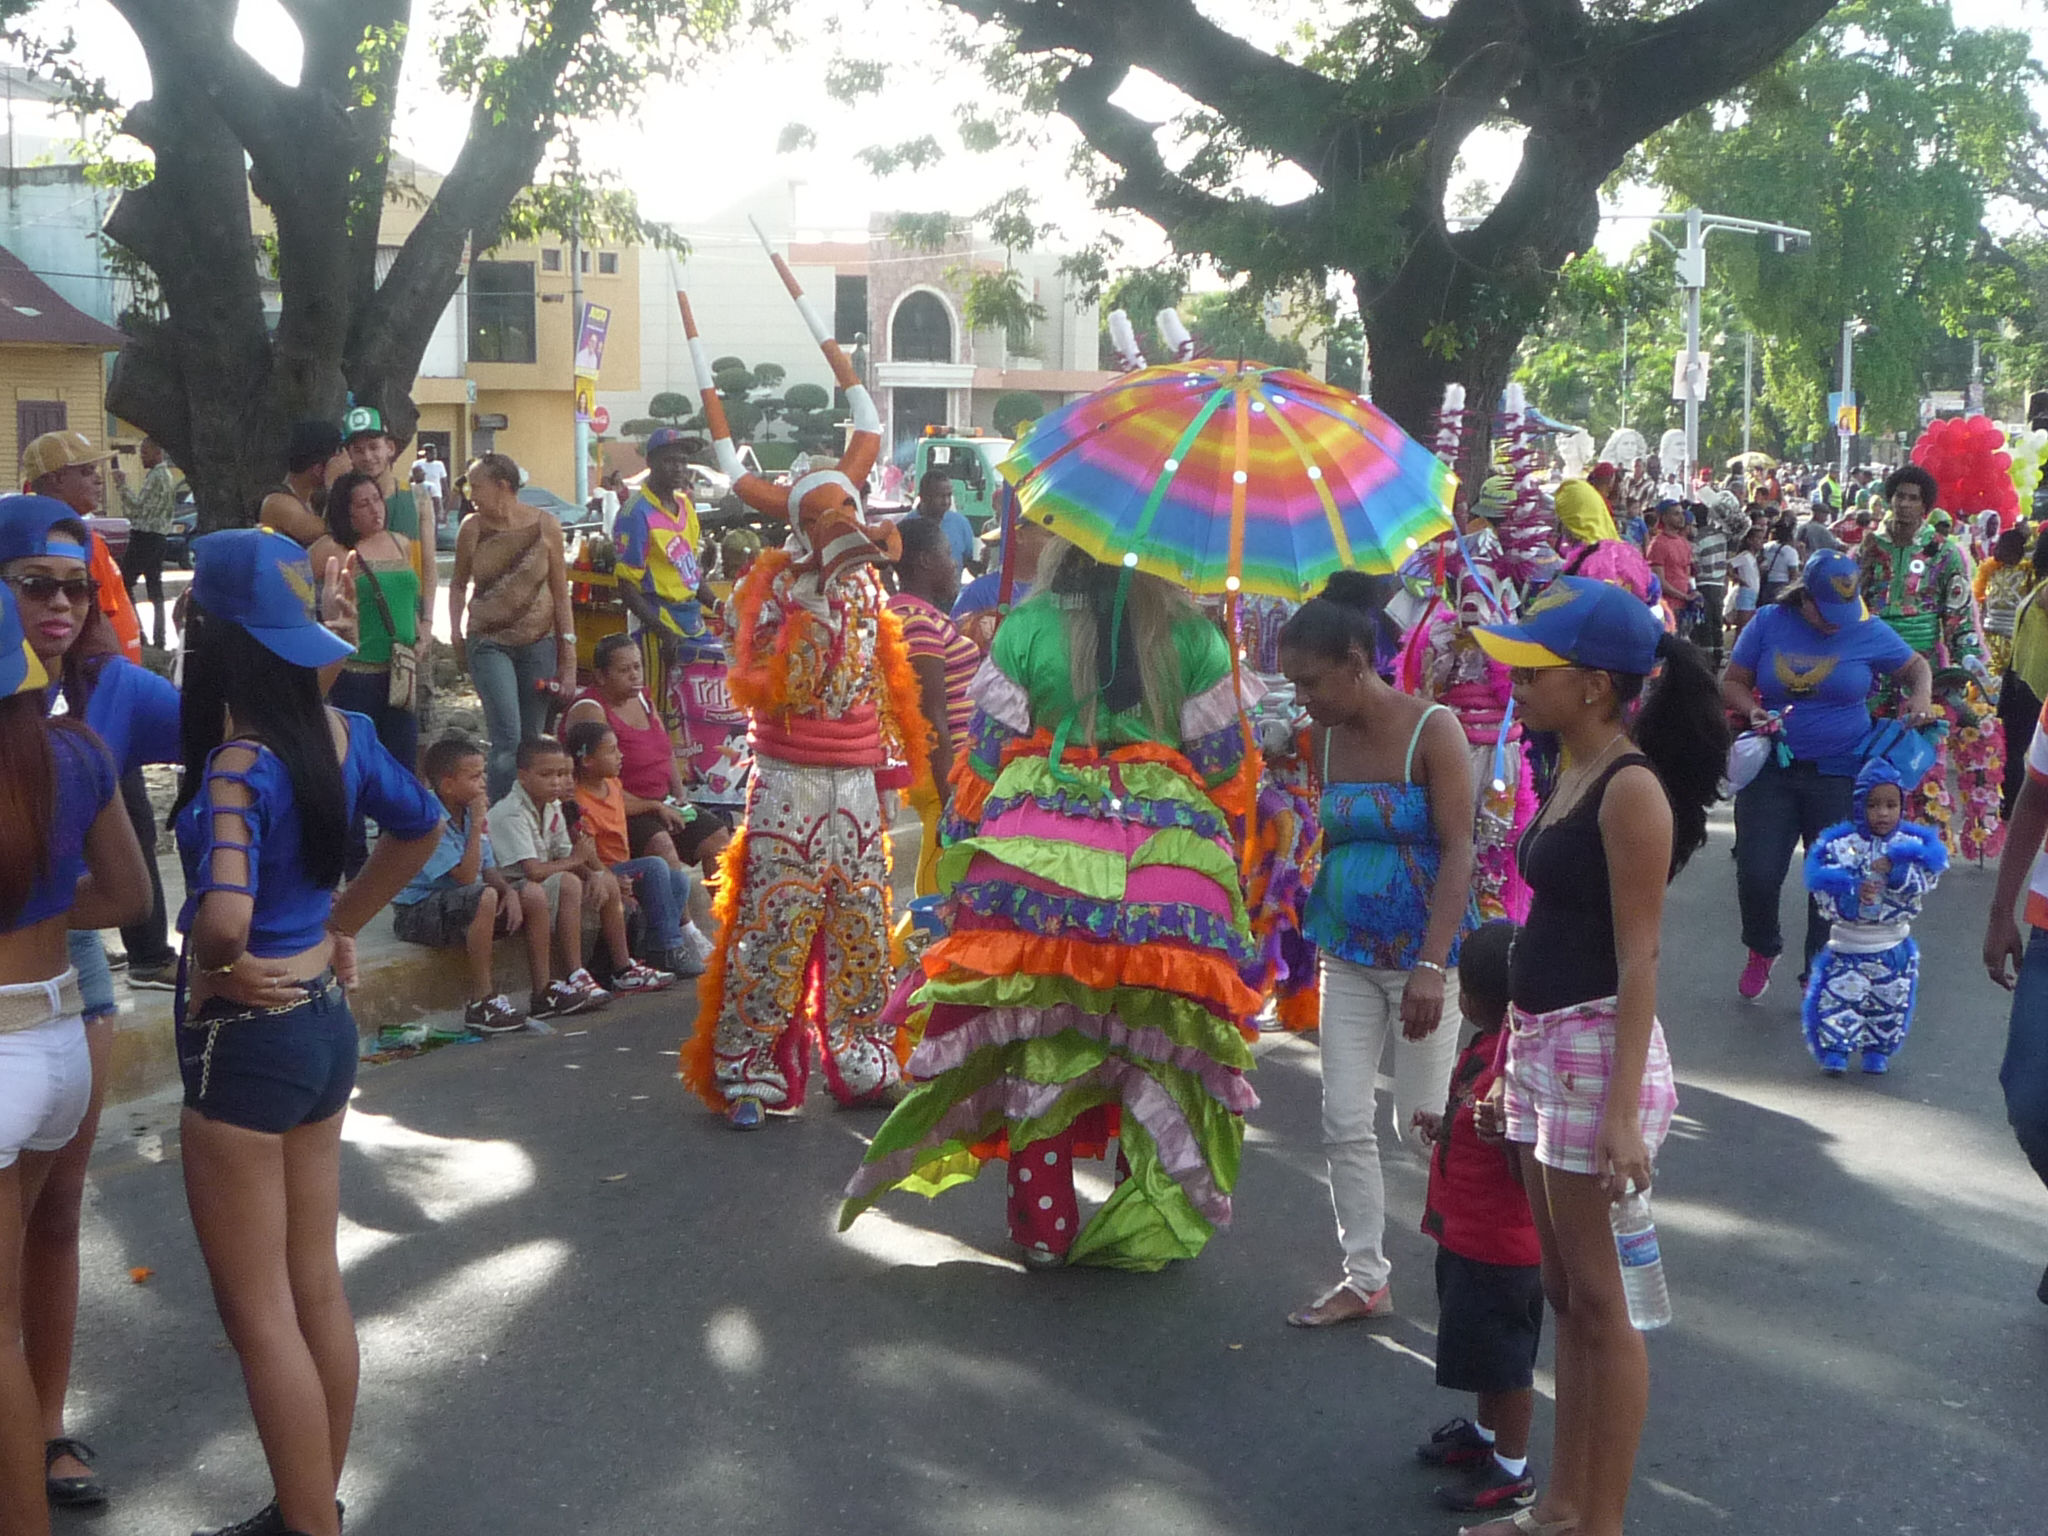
point(922, 331)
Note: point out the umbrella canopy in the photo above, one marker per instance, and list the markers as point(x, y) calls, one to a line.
point(1224, 476)
point(1752, 460)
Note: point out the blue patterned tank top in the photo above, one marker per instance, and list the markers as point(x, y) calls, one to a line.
point(1381, 856)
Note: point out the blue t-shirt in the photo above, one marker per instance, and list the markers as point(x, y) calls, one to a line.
point(959, 533)
point(85, 783)
point(134, 712)
point(291, 911)
point(979, 595)
point(435, 874)
point(1820, 684)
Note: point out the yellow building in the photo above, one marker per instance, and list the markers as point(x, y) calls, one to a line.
point(53, 364)
point(499, 371)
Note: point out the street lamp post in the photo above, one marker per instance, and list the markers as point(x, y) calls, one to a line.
point(1748, 373)
point(1690, 376)
point(1843, 435)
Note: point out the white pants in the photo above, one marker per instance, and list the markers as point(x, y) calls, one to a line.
point(1361, 1016)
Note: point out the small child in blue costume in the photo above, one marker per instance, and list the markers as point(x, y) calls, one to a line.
point(1869, 875)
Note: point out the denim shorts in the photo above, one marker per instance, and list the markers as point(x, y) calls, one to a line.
point(271, 1071)
point(95, 976)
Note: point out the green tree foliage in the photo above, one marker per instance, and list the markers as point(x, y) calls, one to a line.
point(1232, 324)
point(1885, 131)
point(1371, 102)
point(671, 406)
point(1014, 408)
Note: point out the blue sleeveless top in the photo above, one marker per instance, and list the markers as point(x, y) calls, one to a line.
point(1381, 856)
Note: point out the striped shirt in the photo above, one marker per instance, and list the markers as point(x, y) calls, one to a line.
point(1710, 558)
point(928, 632)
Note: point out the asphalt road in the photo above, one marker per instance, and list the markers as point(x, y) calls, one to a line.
point(586, 1306)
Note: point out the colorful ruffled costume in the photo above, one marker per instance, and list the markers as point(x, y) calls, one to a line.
point(1287, 839)
point(1090, 982)
point(1922, 590)
point(819, 663)
point(1861, 992)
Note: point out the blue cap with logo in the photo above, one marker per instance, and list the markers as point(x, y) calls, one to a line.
point(261, 580)
point(1578, 622)
point(1834, 582)
point(664, 437)
point(41, 525)
point(21, 670)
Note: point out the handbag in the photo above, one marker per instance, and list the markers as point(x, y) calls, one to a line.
point(1912, 752)
point(405, 659)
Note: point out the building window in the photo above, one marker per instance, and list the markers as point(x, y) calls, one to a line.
point(584, 263)
point(32, 418)
point(849, 309)
point(551, 259)
point(608, 263)
point(922, 331)
point(501, 323)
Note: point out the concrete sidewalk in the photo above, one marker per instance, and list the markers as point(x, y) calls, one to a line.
point(400, 983)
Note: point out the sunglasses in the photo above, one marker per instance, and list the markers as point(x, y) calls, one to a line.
point(41, 589)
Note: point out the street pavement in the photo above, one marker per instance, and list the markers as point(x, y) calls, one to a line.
point(586, 1306)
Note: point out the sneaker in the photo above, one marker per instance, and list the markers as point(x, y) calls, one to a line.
point(1490, 1486)
point(117, 959)
point(697, 946)
point(1454, 1443)
point(153, 978)
point(563, 998)
point(1834, 1063)
point(1876, 1063)
point(493, 1015)
point(637, 977)
point(683, 961)
point(1756, 976)
point(584, 982)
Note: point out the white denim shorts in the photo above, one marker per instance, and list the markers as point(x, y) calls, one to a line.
point(45, 1070)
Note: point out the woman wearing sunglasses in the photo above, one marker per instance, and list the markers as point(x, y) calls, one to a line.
point(44, 550)
point(266, 1043)
point(72, 858)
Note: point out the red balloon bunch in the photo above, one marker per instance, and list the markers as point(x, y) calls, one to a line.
point(1967, 457)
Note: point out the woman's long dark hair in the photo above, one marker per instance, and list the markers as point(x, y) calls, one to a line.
point(228, 671)
point(1683, 731)
point(339, 495)
point(28, 801)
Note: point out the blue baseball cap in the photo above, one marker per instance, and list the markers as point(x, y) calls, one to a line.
point(1578, 622)
point(21, 670)
point(664, 437)
point(1834, 582)
point(261, 580)
point(41, 525)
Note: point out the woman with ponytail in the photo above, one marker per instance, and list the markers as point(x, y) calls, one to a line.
point(1088, 985)
point(1390, 908)
point(1587, 1092)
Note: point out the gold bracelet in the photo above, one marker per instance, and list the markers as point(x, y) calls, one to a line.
point(222, 970)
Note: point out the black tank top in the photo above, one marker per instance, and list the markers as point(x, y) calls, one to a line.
point(1565, 952)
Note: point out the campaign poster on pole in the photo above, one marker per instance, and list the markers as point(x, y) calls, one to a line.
point(596, 320)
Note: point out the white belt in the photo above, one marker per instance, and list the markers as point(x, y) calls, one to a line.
point(1868, 938)
point(24, 1005)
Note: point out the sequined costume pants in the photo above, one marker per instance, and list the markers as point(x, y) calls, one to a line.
point(1860, 1002)
point(807, 948)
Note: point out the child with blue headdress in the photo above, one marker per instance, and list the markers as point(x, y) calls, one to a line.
point(1868, 875)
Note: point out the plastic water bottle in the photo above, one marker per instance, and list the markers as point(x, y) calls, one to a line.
point(1642, 1267)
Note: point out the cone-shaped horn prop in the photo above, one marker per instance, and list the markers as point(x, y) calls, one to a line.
point(866, 441)
point(1123, 340)
point(760, 494)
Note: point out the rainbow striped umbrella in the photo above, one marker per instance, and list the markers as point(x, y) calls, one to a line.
point(1224, 476)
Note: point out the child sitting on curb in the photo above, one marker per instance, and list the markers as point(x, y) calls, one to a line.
point(661, 880)
point(1489, 1281)
point(460, 897)
point(532, 838)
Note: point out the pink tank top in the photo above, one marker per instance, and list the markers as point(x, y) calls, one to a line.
point(647, 751)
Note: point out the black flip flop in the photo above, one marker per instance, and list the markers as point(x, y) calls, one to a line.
point(71, 1492)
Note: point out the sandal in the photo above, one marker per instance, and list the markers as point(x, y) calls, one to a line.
point(1324, 1312)
point(1524, 1522)
point(71, 1492)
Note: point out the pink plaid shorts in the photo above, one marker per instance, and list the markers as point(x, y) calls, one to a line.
point(1556, 1074)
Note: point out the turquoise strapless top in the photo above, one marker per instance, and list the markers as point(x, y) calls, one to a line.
point(1381, 858)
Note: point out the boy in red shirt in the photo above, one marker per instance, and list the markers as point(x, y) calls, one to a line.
point(1489, 1286)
